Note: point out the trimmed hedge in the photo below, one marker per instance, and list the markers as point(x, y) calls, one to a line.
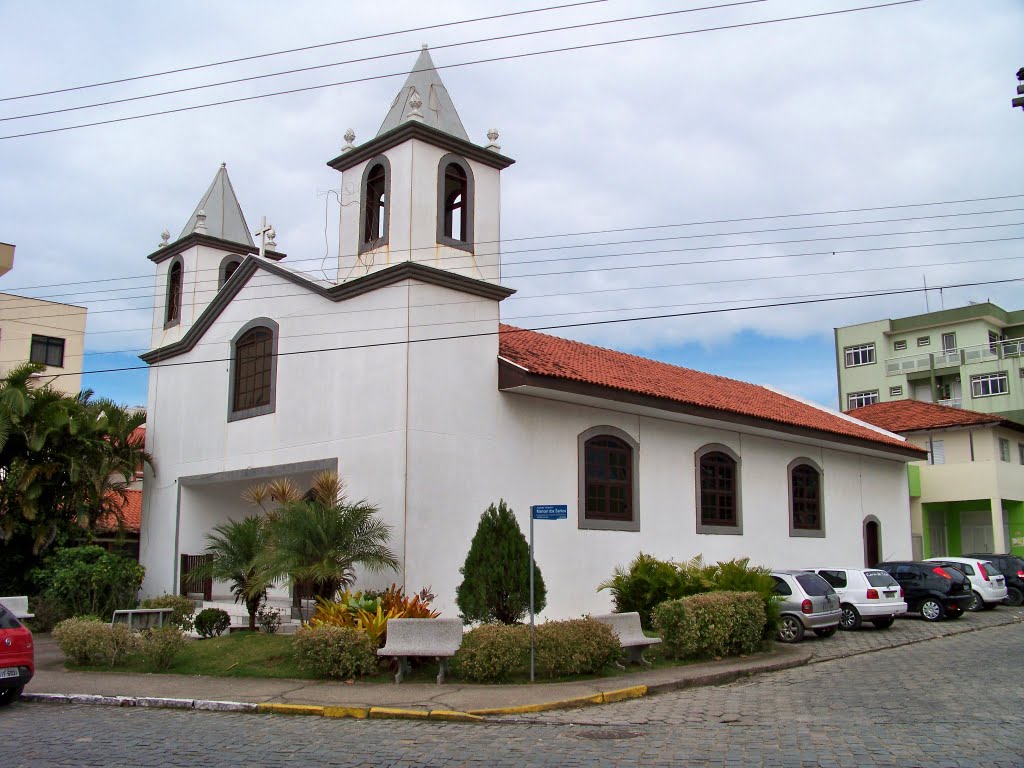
point(711, 625)
point(90, 641)
point(184, 609)
point(160, 646)
point(332, 651)
point(492, 653)
point(212, 622)
point(574, 647)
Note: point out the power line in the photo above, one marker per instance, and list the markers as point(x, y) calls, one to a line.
point(509, 57)
point(300, 49)
point(365, 59)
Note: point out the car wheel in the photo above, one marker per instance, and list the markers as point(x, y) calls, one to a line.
point(10, 695)
point(790, 630)
point(826, 632)
point(850, 618)
point(976, 602)
point(1016, 596)
point(932, 610)
point(883, 623)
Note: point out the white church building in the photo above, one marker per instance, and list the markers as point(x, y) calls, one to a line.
point(400, 375)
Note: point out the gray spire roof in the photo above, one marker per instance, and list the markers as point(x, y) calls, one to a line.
point(438, 111)
point(224, 218)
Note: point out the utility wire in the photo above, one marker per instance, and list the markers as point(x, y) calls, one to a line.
point(509, 57)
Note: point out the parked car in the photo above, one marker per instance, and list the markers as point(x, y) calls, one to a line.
point(987, 583)
point(1012, 568)
point(934, 590)
point(807, 602)
point(17, 657)
point(865, 594)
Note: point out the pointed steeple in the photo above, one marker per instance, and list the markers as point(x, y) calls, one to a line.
point(435, 108)
point(224, 218)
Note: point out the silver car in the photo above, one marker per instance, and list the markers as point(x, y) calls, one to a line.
point(806, 601)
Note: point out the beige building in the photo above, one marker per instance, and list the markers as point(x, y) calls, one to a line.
point(41, 331)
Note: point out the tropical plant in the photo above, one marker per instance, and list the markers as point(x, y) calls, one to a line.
point(649, 581)
point(496, 574)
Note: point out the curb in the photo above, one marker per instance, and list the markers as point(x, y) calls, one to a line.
point(140, 701)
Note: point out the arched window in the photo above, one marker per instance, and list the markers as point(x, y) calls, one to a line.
point(718, 490)
point(227, 269)
point(175, 278)
point(376, 202)
point(608, 480)
point(253, 370)
point(455, 203)
point(806, 514)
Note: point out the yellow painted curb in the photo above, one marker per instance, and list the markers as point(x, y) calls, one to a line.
point(410, 714)
point(290, 709)
point(452, 715)
point(580, 701)
point(359, 713)
point(633, 692)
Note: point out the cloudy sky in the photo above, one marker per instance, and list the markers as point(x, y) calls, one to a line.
point(895, 115)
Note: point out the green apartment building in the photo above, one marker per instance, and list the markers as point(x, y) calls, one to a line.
point(968, 357)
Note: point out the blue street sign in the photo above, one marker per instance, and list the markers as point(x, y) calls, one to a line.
point(549, 512)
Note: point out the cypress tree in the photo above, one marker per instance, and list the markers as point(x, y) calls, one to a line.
point(496, 575)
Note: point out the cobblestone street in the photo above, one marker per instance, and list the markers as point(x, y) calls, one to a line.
point(952, 701)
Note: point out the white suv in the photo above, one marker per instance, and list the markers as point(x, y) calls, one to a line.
point(987, 582)
point(865, 594)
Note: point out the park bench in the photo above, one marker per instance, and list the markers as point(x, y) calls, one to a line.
point(18, 606)
point(433, 638)
point(142, 618)
point(631, 635)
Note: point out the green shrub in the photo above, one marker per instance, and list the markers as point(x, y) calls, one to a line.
point(161, 645)
point(47, 614)
point(492, 653)
point(90, 580)
point(183, 608)
point(212, 622)
point(711, 625)
point(269, 619)
point(649, 581)
point(496, 574)
point(332, 651)
point(739, 576)
point(573, 647)
point(88, 641)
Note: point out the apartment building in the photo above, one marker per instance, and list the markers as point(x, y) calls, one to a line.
point(968, 357)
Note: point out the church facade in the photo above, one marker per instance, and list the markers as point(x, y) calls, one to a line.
point(400, 375)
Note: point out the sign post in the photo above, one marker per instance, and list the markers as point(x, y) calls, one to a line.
point(541, 512)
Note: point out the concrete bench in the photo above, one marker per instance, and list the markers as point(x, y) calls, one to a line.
point(142, 618)
point(631, 635)
point(18, 606)
point(434, 638)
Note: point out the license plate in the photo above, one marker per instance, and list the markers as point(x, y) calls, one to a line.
point(9, 672)
point(890, 594)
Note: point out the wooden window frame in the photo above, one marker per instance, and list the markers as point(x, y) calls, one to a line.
point(794, 467)
point(707, 454)
point(269, 403)
point(626, 445)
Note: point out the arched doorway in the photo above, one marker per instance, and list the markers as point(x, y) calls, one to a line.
point(872, 541)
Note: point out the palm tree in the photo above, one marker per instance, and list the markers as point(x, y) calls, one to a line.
point(318, 540)
point(235, 554)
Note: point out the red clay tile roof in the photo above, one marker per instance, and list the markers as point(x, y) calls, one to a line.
point(545, 355)
point(914, 415)
point(138, 436)
point(131, 514)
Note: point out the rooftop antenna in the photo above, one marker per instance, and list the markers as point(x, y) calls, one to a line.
point(925, 281)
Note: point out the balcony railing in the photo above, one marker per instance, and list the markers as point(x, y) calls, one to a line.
point(953, 402)
point(978, 353)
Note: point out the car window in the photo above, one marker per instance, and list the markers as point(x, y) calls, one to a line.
point(965, 568)
point(1014, 564)
point(835, 578)
point(814, 585)
point(880, 579)
point(781, 587)
point(907, 572)
point(7, 620)
point(991, 570)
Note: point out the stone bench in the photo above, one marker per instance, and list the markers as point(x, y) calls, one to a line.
point(142, 618)
point(433, 638)
point(18, 606)
point(631, 635)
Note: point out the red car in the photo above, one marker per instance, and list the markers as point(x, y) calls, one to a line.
point(17, 657)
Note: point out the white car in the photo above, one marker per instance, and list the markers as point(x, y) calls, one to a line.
point(865, 594)
point(987, 582)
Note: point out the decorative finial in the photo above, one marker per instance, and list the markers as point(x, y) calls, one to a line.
point(493, 144)
point(424, 46)
point(200, 227)
point(165, 238)
point(415, 102)
point(350, 136)
point(270, 240)
point(224, 166)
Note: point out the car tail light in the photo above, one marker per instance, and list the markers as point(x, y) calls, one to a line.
point(806, 607)
point(937, 569)
point(872, 594)
point(901, 592)
point(984, 573)
point(1020, 574)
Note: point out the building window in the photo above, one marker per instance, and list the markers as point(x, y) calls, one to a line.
point(608, 460)
point(924, 341)
point(455, 203)
point(227, 269)
point(899, 346)
point(375, 221)
point(896, 391)
point(989, 384)
point(175, 282)
point(1020, 451)
point(47, 350)
point(860, 399)
point(805, 507)
point(862, 354)
point(948, 342)
point(1004, 449)
point(993, 341)
point(936, 452)
point(253, 370)
point(718, 490)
